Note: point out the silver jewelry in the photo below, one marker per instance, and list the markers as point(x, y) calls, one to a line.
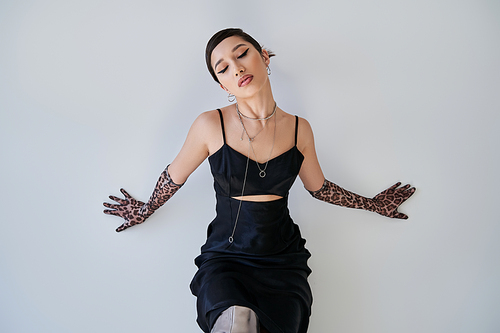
point(247, 117)
point(266, 119)
point(231, 238)
point(231, 98)
point(268, 70)
point(262, 172)
point(244, 129)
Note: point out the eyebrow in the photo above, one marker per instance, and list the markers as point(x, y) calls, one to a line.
point(234, 49)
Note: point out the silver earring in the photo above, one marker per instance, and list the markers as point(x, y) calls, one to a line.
point(231, 98)
point(268, 70)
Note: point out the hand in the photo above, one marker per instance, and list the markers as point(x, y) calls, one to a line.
point(388, 201)
point(128, 209)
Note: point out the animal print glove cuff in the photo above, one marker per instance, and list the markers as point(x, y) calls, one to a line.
point(164, 190)
point(134, 211)
point(385, 203)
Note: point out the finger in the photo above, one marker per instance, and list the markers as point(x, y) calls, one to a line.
point(393, 187)
point(111, 212)
point(122, 227)
point(112, 206)
point(408, 193)
point(411, 191)
point(407, 188)
point(398, 215)
point(125, 193)
point(119, 200)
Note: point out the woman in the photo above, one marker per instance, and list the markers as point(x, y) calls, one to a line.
point(253, 269)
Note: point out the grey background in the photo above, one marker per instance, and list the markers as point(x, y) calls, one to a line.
point(98, 95)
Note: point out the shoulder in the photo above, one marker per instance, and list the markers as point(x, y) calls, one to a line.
point(304, 131)
point(212, 117)
point(304, 126)
point(206, 122)
point(305, 136)
point(207, 130)
point(207, 118)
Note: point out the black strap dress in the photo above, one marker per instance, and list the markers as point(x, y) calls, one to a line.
point(265, 267)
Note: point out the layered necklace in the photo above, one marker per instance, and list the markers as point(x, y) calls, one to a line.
point(262, 172)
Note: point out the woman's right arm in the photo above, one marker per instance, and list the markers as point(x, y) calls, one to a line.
point(196, 148)
point(200, 140)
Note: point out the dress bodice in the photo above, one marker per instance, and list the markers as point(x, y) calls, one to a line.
point(228, 168)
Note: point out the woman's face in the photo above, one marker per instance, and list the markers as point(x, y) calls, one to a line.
point(240, 68)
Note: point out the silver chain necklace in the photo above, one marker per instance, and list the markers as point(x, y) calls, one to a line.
point(262, 172)
point(231, 238)
point(247, 117)
point(251, 138)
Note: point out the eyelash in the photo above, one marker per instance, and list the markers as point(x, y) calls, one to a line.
point(222, 71)
point(243, 54)
point(239, 57)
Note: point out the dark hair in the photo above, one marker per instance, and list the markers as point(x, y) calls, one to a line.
point(219, 37)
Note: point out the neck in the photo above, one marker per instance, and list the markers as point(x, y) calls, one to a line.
point(257, 106)
point(253, 112)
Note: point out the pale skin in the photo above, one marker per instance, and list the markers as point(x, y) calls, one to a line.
point(235, 60)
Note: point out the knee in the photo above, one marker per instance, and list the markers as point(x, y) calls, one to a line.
point(237, 319)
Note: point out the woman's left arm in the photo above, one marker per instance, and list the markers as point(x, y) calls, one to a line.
point(385, 203)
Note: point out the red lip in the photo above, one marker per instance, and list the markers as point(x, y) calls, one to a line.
point(246, 79)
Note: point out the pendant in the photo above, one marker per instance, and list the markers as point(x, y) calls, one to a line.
point(262, 174)
point(231, 239)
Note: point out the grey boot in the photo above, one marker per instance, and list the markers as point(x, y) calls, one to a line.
point(237, 319)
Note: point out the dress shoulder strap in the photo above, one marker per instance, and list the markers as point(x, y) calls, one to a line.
point(222, 126)
point(296, 128)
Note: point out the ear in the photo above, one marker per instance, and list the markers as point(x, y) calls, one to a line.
point(223, 88)
point(265, 57)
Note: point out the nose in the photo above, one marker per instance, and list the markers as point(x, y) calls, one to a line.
point(239, 71)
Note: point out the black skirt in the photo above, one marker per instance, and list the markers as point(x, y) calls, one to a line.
point(265, 268)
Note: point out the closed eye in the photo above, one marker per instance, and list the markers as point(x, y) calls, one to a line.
point(239, 57)
point(222, 71)
point(243, 54)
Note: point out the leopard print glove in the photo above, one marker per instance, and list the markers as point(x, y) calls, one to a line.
point(385, 203)
point(134, 211)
